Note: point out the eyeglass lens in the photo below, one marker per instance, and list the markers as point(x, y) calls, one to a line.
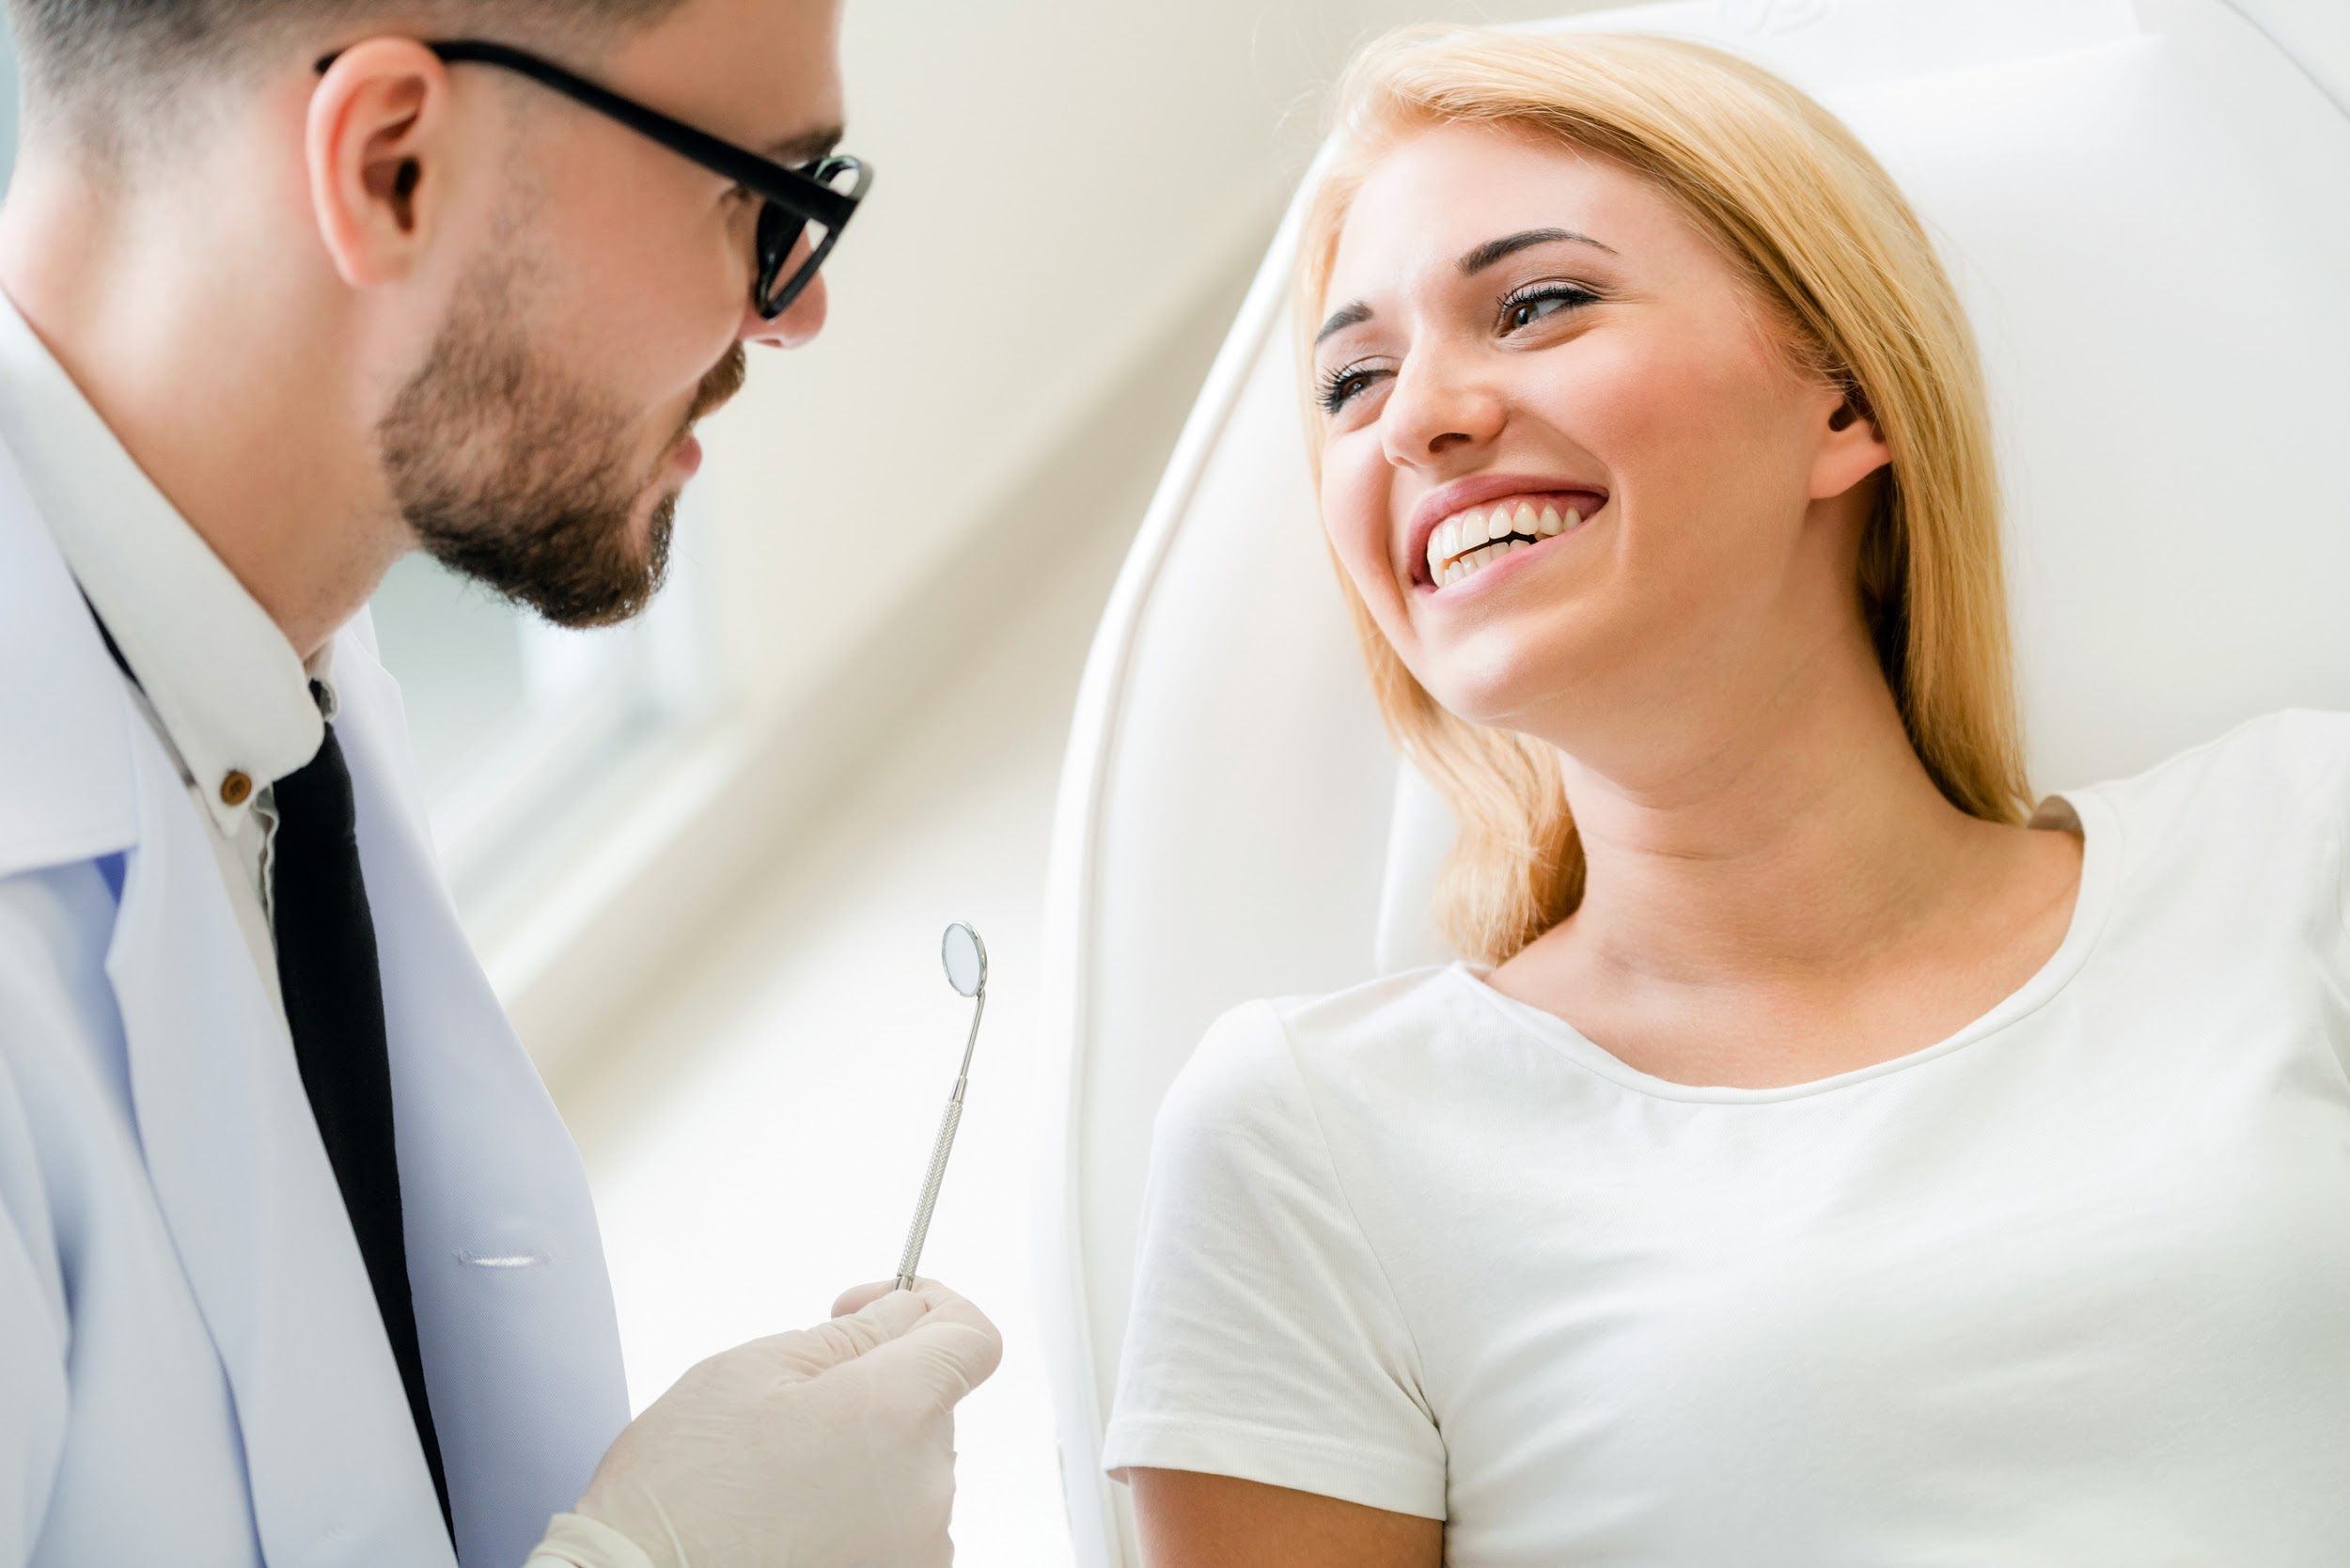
point(792, 247)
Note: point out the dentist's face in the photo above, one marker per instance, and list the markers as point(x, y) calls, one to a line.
point(1529, 345)
point(541, 447)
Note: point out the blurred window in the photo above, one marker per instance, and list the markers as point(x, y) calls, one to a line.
point(526, 734)
point(8, 100)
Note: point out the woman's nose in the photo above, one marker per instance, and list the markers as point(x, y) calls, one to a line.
point(799, 323)
point(1435, 408)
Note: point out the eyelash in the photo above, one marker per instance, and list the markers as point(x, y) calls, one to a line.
point(1574, 296)
point(1332, 394)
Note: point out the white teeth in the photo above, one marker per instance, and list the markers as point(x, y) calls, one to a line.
point(1475, 539)
point(1443, 544)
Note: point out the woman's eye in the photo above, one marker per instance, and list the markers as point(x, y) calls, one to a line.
point(1524, 310)
point(1342, 386)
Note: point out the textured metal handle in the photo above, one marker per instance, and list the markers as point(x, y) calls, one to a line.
point(922, 1227)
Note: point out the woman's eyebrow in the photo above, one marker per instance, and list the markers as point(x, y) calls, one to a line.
point(1474, 262)
point(1344, 317)
point(1510, 244)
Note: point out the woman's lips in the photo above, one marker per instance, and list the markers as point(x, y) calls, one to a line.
point(1449, 501)
point(1458, 546)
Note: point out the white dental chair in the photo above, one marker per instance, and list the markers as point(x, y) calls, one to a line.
point(2147, 209)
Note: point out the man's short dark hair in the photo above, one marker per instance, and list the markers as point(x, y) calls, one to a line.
point(93, 69)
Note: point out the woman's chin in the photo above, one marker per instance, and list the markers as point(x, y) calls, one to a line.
point(1499, 688)
point(1549, 678)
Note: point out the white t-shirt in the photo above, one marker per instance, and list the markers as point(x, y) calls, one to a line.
point(2069, 1288)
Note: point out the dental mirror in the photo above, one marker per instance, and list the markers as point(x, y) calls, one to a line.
point(965, 958)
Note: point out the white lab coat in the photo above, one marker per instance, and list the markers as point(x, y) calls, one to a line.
point(192, 1368)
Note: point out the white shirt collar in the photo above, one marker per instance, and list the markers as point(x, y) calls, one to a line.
point(229, 690)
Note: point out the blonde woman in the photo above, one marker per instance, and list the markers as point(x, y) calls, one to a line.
point(1828, 1157)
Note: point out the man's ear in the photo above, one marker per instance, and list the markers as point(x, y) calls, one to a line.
point(1851, 448)
point(377, 155)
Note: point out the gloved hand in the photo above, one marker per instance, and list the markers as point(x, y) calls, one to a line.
point(830, 1447)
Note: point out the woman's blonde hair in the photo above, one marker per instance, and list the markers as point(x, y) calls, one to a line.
point(1833, 251)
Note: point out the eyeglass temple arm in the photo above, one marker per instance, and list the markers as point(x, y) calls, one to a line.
point(789, 187)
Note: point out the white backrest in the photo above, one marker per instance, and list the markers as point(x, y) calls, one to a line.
point(2147, 209)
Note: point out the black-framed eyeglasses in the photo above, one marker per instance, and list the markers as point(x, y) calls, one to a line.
point(815, 203)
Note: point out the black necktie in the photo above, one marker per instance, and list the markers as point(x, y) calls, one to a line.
point(334, 993)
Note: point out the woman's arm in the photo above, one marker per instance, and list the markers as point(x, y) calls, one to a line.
point(1190, 1520)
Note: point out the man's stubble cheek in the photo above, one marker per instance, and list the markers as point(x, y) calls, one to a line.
point(507, 471)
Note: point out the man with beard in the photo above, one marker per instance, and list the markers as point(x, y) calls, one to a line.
point(296, 1263)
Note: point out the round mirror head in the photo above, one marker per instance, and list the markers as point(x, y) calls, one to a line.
point(966, 959)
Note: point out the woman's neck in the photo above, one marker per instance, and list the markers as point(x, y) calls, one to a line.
point(1784, 847)
point(1789, 894)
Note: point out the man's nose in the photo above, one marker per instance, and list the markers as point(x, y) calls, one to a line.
point(801, 320)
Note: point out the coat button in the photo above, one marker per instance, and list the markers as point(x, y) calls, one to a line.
point(235, 789)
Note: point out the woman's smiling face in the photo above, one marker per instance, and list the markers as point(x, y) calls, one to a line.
point(1529, 345)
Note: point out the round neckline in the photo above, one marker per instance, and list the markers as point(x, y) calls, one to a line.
point(2101, 833)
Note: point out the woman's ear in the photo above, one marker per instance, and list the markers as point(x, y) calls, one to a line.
point(1850, 448)
point(375, 147)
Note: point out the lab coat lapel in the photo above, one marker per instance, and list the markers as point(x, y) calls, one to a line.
point(512, 1304)
point(63, 793)
point(335, 1476)
point(330, 1454)
point(514, 1307)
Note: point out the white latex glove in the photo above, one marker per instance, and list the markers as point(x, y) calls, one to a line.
point(830, 1447)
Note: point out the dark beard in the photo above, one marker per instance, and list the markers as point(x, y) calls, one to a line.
point(512, 477)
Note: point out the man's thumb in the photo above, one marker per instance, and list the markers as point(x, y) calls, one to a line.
point(837, 1341)
point(950, 1352)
